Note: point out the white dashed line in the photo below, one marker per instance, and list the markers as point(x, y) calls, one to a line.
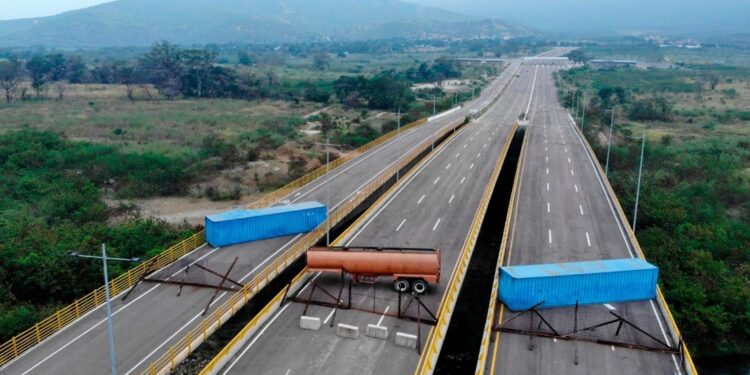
point(546, 159)
point(571, 173)
point(383, 316)
point(568, 160)
point(436, 181)
point(457, 155)
point(550, 235)
point(609, 306)
point(548, 186)
point(462, 180)
point(547, 207)
point(580, 207)
point(436, 224)
point(575, 186)
point(471, 166)
point(400, 225)
point(448, 166)
point(547, 170)
point(420, 199)
point(479, 154)
point(588, 239)
point(451, 200)
point(329, 316)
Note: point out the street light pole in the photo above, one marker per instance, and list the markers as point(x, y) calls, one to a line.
point(583, 114)
point(328, 189)
point(638, 189)
point(104, 258)
point(609, 141)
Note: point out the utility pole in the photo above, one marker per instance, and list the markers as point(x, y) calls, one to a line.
point(638, 188)
point(328, 190)
point(609, 141)
point(111, 333)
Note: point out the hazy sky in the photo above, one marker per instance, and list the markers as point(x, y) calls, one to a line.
point(546, 15)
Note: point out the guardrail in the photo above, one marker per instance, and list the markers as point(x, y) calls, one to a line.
point(182, 348)
point(27, 339)
point(437, 333)
point(486, 335)
point(663, 306)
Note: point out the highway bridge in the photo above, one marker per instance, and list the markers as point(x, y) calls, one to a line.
point(563, 210)
point(154, 317)
point(439, 201)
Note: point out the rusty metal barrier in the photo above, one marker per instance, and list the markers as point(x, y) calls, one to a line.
point(182, 348)
point(437, 334)
point(27, 339)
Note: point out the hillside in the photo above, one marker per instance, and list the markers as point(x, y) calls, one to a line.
point(142, 22)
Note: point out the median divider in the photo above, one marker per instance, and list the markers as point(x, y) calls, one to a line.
point(182, 348)
point(661, 302)
point(487, 333)
point(435, 338)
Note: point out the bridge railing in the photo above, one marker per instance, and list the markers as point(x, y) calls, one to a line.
point(185, 345)
point(27, 339)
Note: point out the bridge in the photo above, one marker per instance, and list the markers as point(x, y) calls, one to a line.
point(427, 185)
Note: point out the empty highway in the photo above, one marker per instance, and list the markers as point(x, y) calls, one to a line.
point(154, 316)
point(563, 213)
point(434, 207)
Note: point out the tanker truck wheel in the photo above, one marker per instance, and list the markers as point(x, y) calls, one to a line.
point(419, 286)
point(401, 285)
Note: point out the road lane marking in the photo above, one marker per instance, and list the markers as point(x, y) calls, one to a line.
point(548, 186)
point(580, 207)
point(462, 180)
point(465, 146)
point(568, 160)
point(451, 200)
point(436, 224)
point(575, 186)
point(546, 158)
point(479, 154)
point(547, 170)
point(547, 207)
point(383, 316)
point(571, 173)
point(457, 155)
point(329, 316)
point(588, 239)
point(550, 235)
point(566, 149)
point(400, 225)
point(609, 306)
point(420, 199)
point(436, 181)
point(471, 166)
point(448, 166)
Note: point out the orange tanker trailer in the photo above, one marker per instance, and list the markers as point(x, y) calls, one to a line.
point(409, 268)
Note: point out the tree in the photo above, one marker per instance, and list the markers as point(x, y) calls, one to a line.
point(244, 58)
point(75, 69)
point(60, 88)
point(39, 69)
point(11, 72)
point(713, 80)
point(197, 68)
point(164, 66)
point(578, 56)
point(57, 67)
point(127, 76)
point(321, 60)
point(388, 93)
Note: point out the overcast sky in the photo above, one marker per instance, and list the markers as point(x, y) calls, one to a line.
point(546, 15)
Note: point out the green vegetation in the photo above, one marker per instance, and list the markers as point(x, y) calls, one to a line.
point(52, 203)
point(694, 215)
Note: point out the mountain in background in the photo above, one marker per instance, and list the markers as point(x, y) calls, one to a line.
point(142, 22)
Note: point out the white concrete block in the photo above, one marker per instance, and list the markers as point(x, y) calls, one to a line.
point(407, 340)
point(347, 331)
point(309, 322)
point(378, 332)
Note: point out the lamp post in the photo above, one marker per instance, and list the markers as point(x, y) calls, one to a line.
point(609, 141)
point(638, 188)
point(328, 190)
point(104, 260)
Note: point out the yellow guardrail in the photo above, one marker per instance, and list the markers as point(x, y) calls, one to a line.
point(676, 335)
point(487, 334)
point(232, 347)
point(435, 338)
point(27, 339)
point(275, 196)
point(222, 313)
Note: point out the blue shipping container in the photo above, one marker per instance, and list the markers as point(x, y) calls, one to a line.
point(240, 226)
point(564, 284)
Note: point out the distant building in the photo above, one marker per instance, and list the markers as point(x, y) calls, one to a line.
point(610, 64)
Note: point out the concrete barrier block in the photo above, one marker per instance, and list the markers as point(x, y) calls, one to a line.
point(309, 322)
point(347, 331)
point(407, 340)
point(378, 332)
